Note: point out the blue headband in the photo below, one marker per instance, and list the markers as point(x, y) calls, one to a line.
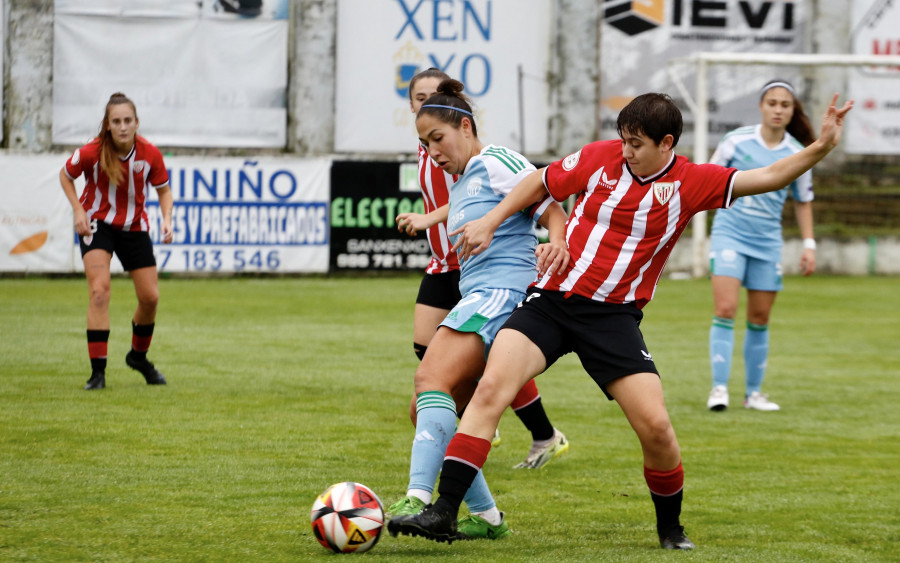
point(446, 107)
point(778, 84)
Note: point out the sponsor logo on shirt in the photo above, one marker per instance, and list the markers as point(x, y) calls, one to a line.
point(570, 161)
point(599, 178)
point(473, 187)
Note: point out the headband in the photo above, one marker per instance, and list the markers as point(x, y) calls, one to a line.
point(446, 107)
point(771, 85)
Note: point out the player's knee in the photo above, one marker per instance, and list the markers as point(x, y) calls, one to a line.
point(100, 295)
point(658, 434)
point(419, 349)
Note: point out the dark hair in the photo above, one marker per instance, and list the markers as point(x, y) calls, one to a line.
point(450, 93)
point(653, 115)
point(799, 126)
point(427, 73)
point(109, 161)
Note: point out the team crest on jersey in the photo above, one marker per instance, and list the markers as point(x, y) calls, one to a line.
point(570, 161)
point(473, 187)
point(76, 156)
point(663, 191)
point(138, 167)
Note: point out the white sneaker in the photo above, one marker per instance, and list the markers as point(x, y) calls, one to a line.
point(760, 402)
point(718, 398)
point(538, 457)
point(495, 441)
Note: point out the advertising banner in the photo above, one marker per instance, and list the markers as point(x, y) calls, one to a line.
point(381, 44)
point(36, 231)
point(231, 215)
point(639, 38)
point(202, 74)
point(366, 197)
point(264, 215)
point(875, 127)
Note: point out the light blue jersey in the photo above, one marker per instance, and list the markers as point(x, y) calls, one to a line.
point(752, 226)
point(509, 262)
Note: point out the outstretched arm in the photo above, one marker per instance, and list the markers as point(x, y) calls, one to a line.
point(781, 173)
point(476, 235)
point(412, 223)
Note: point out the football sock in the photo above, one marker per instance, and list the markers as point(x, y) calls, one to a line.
point(666, 490)
point(141, 335)
point(98, 342)
point(479, 499)
point(424, 496)
point(721, 348)
point(435, 425)
point(492, 516)
point(756, 355)
point(528, 407)
point(465, 457)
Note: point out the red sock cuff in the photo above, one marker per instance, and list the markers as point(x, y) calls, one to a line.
point(141, 343)
point(527, 395)
point(469, 450)
point(664, 483)
point(97, 350)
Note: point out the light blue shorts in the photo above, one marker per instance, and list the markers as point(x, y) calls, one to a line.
point(483, 311)
point(755, 274)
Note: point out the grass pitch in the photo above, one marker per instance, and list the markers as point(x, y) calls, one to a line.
point(280, 387)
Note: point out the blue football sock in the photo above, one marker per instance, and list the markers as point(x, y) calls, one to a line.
point(435, 426)
point(756, 355)
point(721, 348)
point(478, 498)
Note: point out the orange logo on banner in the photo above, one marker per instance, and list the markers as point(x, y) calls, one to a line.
point(30, 244)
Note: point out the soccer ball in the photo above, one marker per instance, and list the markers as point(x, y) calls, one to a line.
point(347, 517)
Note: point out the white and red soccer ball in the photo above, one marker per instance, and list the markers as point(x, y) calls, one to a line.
point(347, 517)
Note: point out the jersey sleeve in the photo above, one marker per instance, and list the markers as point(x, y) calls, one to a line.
point(572, 174)
point(724, 152)
point(75, 164)
point(712, 186)
point(159, 175)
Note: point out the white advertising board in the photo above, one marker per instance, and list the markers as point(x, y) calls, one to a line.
point(200, 77)
point(381, 44)
point(231, 215)
point(875, 125)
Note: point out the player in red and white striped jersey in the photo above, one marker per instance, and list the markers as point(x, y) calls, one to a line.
point(119, 169)
point(634, 198)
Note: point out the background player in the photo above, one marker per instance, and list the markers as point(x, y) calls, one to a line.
point(439, 289)
point(746, 242)
point(634, 198)
point(119, 167)
point(491, 284)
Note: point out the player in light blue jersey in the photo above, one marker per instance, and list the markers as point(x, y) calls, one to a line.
point(746, 242)
point(492, 285)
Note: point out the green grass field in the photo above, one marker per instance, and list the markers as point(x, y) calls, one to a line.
point(280, 387)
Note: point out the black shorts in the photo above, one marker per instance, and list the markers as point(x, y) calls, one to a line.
point(605, 336)
point(439, 290)
point(134, 248)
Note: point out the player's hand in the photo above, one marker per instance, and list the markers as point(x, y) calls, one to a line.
point(808, 262)
point(168, 233)
point(552, 257)
point(82, 225)
point(474, 238)
point(411, 223)
point(833, 123)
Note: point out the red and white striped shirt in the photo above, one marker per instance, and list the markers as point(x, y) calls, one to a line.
point(121, 207)
point(623, 227)
point(435, 185)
